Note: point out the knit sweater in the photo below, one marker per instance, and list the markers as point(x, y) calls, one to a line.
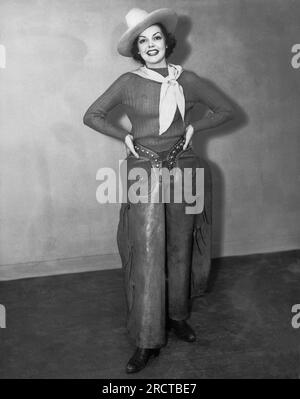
point(140, 99)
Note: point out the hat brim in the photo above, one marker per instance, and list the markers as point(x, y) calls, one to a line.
point(165, 16)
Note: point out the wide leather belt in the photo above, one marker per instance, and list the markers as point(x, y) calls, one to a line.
point(156, 159)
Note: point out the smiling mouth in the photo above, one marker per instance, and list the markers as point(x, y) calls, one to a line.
point(152, 52)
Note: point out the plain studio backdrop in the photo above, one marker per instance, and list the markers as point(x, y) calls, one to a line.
point(61, 55)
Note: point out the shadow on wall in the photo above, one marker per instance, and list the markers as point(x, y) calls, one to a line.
point(200, 141)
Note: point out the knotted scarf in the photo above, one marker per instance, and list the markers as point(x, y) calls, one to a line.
point(171, 93)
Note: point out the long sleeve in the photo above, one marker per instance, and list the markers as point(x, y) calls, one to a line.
point(205, 93)
point(96, 115)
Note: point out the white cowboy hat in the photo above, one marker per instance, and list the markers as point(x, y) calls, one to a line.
point(138, 20)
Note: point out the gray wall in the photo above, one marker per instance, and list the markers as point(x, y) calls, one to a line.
point(61, 55)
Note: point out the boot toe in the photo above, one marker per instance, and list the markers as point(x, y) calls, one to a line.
point(140, 358)
point(182, 330)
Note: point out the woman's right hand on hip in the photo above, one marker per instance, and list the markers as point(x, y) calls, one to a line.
point(129, 144)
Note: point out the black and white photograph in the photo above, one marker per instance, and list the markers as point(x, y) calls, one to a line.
point(149, 192)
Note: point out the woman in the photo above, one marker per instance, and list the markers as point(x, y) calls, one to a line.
point(165, 250)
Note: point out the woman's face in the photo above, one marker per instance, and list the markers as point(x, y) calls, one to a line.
point(152, 47)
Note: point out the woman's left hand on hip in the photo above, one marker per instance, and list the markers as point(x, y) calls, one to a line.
point(189, 131)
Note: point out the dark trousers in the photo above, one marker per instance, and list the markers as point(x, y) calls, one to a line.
point(155, 242)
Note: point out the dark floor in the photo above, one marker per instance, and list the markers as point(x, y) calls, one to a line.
point(72, 326)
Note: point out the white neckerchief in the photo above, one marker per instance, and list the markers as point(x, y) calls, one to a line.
point(171, 93)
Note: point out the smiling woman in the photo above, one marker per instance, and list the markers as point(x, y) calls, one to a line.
point(152, 47)
point(158, 237)
point(160, 44)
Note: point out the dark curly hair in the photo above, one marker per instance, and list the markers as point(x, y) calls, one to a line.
point(170, 42)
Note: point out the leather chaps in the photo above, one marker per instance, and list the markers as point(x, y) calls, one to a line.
point(165, 251)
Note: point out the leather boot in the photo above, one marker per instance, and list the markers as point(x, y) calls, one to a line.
point(182, 330)
point(140, 358)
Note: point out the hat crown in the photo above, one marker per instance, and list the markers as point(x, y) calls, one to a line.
point(138, 20)
point(135, 16)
